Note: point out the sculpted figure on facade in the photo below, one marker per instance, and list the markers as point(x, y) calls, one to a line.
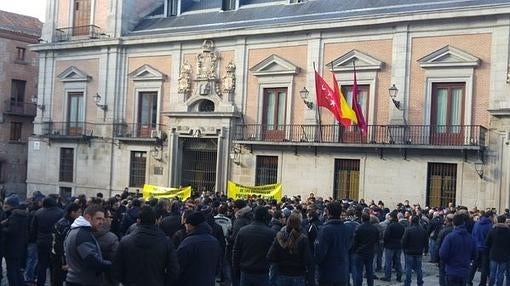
point(184, 81)
point(207, 61)
point(229, 80)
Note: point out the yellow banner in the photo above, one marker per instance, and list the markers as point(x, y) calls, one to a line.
point(236, 191)
point(164, 192)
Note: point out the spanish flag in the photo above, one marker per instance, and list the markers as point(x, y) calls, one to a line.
point(347, 114)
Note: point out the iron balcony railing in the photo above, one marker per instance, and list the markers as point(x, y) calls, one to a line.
point(67, 33)
point(19, 108)
point(441, 135)
point(68, 129)
point(137, 130)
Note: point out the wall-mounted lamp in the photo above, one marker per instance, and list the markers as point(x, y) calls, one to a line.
point(304, 93)
point(35, 102)
point(479, 169)
point(97, 100)
point(393, 91)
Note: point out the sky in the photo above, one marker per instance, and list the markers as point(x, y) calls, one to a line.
point(34, 8)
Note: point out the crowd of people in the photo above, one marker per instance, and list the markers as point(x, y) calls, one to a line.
point(210, 239)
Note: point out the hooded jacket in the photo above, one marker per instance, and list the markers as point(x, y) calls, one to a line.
point(293, 262)
point(146, 257)
point(199, 255)
point(457, 252)
point(43, 222)
point(480, 232)
point(83, 255)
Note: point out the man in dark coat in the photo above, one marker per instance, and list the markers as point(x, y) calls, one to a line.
point(146, 256)
point(15, 235)
point(253, 241)
point(242, 217)
point(393, 247)
point(130, 217)
point(499, 251)
point(366, 237)
point(60, 230)
point(413, 243)
point(480, 231)
point(42, 226)
point(332, 246)
point(199, 254)
point(457, 252)
point(445, 230)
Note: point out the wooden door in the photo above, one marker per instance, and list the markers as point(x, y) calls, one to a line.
point(81, 17)
point(273, 121)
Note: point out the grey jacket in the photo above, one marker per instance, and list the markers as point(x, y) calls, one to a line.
point(83, 255)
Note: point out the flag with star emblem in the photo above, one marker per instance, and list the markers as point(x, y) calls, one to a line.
point(326, 97)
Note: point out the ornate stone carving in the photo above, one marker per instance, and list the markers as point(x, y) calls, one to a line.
point(229, 80)
point(207, 61)
point(185, 79)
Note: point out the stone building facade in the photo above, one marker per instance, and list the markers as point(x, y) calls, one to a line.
point(182, 92)
point(18, 84)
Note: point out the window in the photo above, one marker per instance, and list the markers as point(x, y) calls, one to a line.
point(266, 172)
point(447, 102)
point(66, 170)
point(346, 179)
point(16, 128)
point(137, 169)
point(172, 7)
point(273, 118)
point(17, 92)
point(75, 114)
point(442, 184)
point(20, 54)
point(81, 19)
point(227, 5)
point(147, 113)
point(206, 106)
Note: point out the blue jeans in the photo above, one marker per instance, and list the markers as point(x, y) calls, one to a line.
point(360, 263)
point(456, 281)
point(442, 274)
point(290, 280)
point(31, 262)
point(392, 256)
point(273, 274)
point(379, 255)
point(248, 279)
point(433, 250)
point(413, 262)
point(497, 273)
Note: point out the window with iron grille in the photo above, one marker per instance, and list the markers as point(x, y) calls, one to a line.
point(17, 91)
point(16, 128)
point(66, 170)
point(137, 169)
point(441, 184)
point(346, 179)
point(227, 5)
point(266, 172)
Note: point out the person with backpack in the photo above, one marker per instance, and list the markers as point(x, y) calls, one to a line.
point(60, 230)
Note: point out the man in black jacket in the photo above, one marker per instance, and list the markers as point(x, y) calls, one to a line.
point(413, 243)
point(15, 239)
point(146, 256)
point(42, 226)
point(250, 248)
point(445, 230)
point(366, 237)
point(60, 231)
point(499, 250)
point(393, 247)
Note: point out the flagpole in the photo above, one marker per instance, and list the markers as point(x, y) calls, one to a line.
point(317, 112)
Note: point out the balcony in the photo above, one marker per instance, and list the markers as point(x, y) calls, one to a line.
point(19, 109)
point(67, 130)
point(136, 131)
point(467, 137)
point(78, 32)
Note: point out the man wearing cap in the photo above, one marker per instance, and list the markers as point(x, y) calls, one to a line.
point(199, 254)
point(15, 239)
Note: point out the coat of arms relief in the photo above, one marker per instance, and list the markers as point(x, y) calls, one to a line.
point(206, 83)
